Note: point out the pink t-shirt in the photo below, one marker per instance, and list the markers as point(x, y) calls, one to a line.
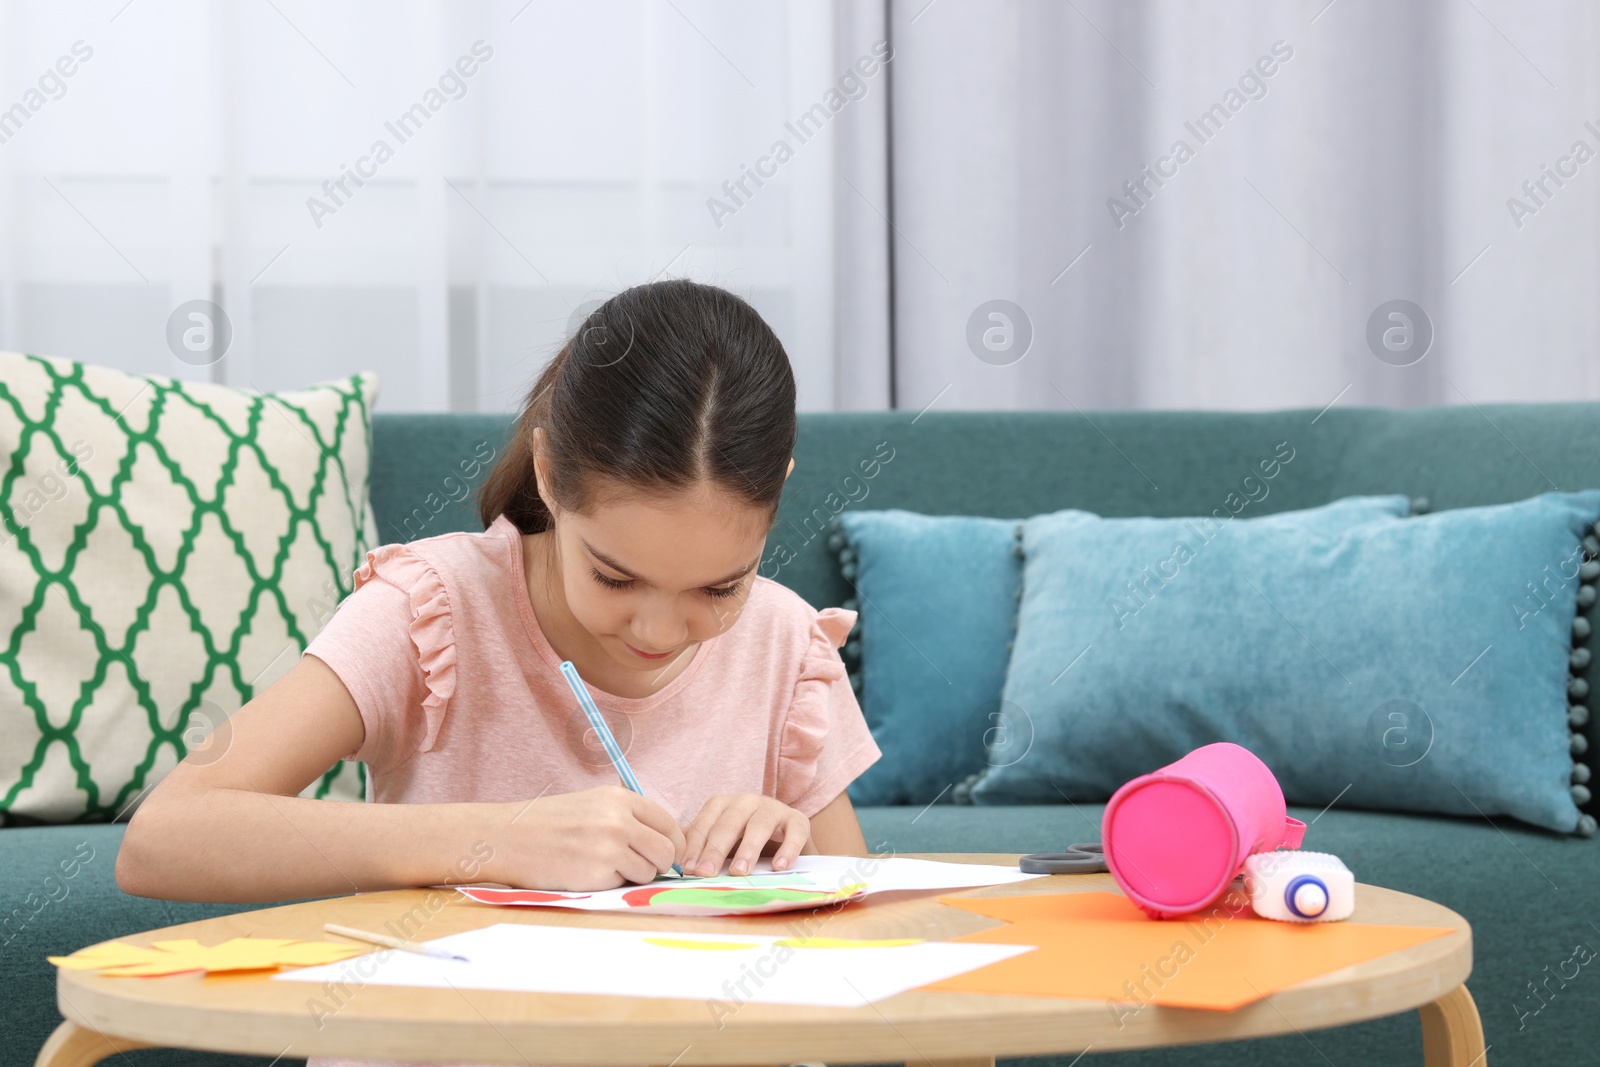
point(463, 700)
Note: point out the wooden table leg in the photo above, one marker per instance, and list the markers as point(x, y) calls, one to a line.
point(1452, 1033)
point(75, 1046)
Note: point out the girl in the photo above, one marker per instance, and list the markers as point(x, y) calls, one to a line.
point(623, 529)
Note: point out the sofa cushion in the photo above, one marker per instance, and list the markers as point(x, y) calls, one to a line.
point(169, 548)
point(937, 596)
point(1410, 664)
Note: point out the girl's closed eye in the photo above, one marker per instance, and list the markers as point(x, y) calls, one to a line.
point(609, 582)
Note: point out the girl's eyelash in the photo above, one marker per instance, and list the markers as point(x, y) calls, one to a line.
point(610, 582)
point(619, 583)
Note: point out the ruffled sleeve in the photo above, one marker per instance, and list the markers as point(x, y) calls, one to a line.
point(431, 630)
point(824, 743)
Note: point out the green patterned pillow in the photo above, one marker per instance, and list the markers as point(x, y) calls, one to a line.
point(168, 550)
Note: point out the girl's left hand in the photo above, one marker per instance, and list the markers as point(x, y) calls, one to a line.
point(750, 821)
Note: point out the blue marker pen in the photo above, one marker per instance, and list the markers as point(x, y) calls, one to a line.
point(608, 742)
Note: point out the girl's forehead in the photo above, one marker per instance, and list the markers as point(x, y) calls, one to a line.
point(614, 502)
point(674, 540)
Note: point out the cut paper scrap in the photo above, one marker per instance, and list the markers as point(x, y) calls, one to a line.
point(118, 959)
point(813, 882)
point(741, 969)
point(1101, 946)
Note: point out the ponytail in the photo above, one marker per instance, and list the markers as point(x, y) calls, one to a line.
point(512, 488)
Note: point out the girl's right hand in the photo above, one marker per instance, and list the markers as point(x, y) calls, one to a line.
point(598, 838)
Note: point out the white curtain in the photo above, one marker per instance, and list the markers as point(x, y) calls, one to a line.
point(1340, 156)
point(534, 156)
point(1365, 151)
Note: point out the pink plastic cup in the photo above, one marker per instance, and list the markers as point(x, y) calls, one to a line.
point(1175, 838)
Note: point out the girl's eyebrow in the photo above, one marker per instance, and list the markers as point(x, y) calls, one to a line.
point(614, 565)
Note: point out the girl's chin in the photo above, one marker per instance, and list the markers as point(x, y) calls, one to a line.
point(633, 656)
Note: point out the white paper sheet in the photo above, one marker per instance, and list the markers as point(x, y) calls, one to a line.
point(724, 970)
point(820, 874)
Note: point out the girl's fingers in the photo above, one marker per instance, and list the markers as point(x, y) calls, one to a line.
point(658, 849)
point(748, 822)
point(636, 867)
point(721, 838)
point(694, 837)
point(796, 831)
point(665, 836)
point(652, 815)
point(758, 831)
point(679, 844)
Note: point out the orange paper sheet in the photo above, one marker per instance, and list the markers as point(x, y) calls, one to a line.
point(1101, 946)
point(121, 960)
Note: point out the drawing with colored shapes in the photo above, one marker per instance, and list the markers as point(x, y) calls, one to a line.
point(813, 882)
point(671, 898)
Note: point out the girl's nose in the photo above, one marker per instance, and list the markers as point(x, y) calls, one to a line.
point(660, 631)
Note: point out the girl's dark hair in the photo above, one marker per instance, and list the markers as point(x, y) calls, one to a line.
point(664, 385)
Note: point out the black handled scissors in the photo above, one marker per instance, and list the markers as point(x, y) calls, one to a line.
point(1086, 858)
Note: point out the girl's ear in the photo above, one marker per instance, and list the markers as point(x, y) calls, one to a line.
point(541, 473)
point(785, 473)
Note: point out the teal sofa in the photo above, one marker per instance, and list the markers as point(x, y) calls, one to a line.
point(1530, 895)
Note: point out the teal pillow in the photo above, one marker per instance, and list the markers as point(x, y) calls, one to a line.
point(938, 603)
point(938, 598)
point(1415, 664)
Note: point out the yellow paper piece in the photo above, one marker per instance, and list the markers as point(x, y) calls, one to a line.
point(121, 960)
point(845, 942)
point(107, 955)
point(309, 953)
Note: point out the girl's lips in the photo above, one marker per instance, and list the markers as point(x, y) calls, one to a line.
point(647, 655)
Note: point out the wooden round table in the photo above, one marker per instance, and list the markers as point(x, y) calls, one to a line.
point(247, 1013)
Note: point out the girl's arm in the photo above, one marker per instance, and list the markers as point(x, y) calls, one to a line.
point(227, 825)
point(835, 831)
